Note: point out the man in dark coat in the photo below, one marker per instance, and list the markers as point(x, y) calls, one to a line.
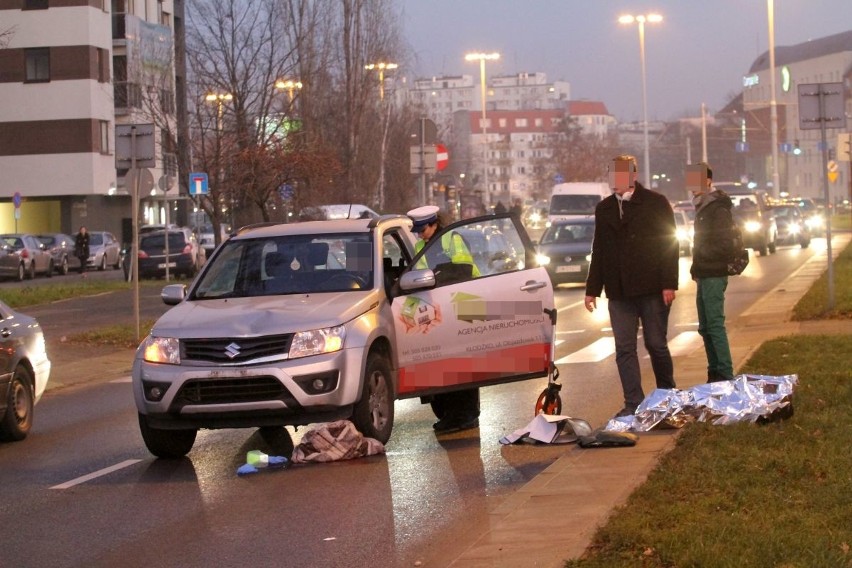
point(635, 261)
point(712, 250)
point(81, 248)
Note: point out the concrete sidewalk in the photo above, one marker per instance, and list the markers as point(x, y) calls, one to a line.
point(554, 516)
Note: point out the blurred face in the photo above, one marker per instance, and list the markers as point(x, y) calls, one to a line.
point(697, 182)
point(622, 178)
point(428, 231)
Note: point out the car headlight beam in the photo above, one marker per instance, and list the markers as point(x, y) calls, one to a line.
point(161, 350)
point(542, 259)
point(752, 226)
point(317, 341)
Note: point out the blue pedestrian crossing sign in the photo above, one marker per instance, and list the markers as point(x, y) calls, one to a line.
point(198, 183)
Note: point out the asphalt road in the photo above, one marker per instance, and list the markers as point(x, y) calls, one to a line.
point(83, 491)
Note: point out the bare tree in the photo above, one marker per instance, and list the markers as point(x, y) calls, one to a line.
point(6, 36)
point(576, 156)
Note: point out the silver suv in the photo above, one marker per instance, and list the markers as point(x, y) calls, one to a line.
point(309, 322)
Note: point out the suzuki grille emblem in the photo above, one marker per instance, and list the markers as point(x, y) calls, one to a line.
point(232, 350)
point(567, 259)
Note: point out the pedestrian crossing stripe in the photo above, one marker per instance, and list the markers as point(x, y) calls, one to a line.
point(680, 345)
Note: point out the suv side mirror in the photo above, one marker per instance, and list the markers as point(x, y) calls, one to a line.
point(417, 280)
point(173, 294)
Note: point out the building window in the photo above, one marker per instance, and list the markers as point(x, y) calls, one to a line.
point(104, 136)
point(502, 123)
point(38, 64)
point(103, 65)
point(35, 5)
point(521, 122)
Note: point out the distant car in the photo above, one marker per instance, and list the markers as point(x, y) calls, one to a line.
point(565, 250)
point(339, 211)
point(687, 207)
point(104, 250)
point(207, 238)
point(792, 226)
point(61, 248)
point(184, 254)
point(24, 371)
point(535, 216)
point(32, 257)
point(751, 211)
point(814, 215)
point(685, 231)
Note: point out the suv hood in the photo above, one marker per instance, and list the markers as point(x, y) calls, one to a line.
point(262, 315)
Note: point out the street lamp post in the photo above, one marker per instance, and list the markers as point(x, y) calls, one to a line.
point(773, 104)
point(220, 99)
point(482, 58)
point(290, 86)
point(640, 20)
point(381, 68)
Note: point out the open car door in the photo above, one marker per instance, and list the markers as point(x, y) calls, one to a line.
point(472, 307)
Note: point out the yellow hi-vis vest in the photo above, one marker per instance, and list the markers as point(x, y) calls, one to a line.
point(454, 248)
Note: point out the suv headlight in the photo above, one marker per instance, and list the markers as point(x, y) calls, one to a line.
point(542, 259)
point(317, 341)
point(161, 350)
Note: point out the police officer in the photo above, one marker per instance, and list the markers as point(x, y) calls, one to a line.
point(457, 410)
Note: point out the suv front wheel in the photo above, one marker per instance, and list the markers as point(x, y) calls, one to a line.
point(168, 444)
point(373, 413)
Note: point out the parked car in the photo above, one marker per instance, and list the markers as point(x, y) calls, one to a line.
point(565, 250)
point(792, 226)
point(685, 231)
point(24, 371)
point(32, 257)
point(61, 248)
point(298, 323)
point(207, 238)
point(184, 255)
point(753, 214)
point(104, 250)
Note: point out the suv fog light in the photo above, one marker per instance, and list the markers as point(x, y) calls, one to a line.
point(154, 391)
point(318, 383)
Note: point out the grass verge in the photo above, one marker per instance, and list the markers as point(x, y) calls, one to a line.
point(841, 222)
point(45, 293)
point(814, 303)
point(745, 495)
point(119, 335)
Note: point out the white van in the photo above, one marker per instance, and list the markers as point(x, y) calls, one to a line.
point(576, 200)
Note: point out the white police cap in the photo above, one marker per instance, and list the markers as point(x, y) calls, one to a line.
point(423, 216)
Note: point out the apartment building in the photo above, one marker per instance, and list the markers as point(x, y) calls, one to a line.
point(71, 70)
point(800, 163)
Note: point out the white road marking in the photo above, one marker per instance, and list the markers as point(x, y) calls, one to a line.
point(597, 351)
point(96, 474)
point(122, 380)
point(569, 306)
point(680, 345)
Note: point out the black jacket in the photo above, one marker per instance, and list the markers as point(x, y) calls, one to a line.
point(81, 245)
point(713, 242)
point(635, 254)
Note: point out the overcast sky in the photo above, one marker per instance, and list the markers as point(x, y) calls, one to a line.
point(699, 53)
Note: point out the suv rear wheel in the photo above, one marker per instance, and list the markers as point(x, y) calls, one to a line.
point(373, 413)
point(168, 444)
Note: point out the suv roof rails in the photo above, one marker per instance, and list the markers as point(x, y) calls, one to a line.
point(245, 228)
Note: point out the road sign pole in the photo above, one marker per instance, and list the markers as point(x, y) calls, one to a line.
point(827, 197)
point(134, 262)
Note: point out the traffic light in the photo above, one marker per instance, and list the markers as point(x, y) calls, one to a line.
point(844, 147)
point(797, 150)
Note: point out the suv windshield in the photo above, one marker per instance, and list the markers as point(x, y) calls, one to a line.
point(295, 264)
